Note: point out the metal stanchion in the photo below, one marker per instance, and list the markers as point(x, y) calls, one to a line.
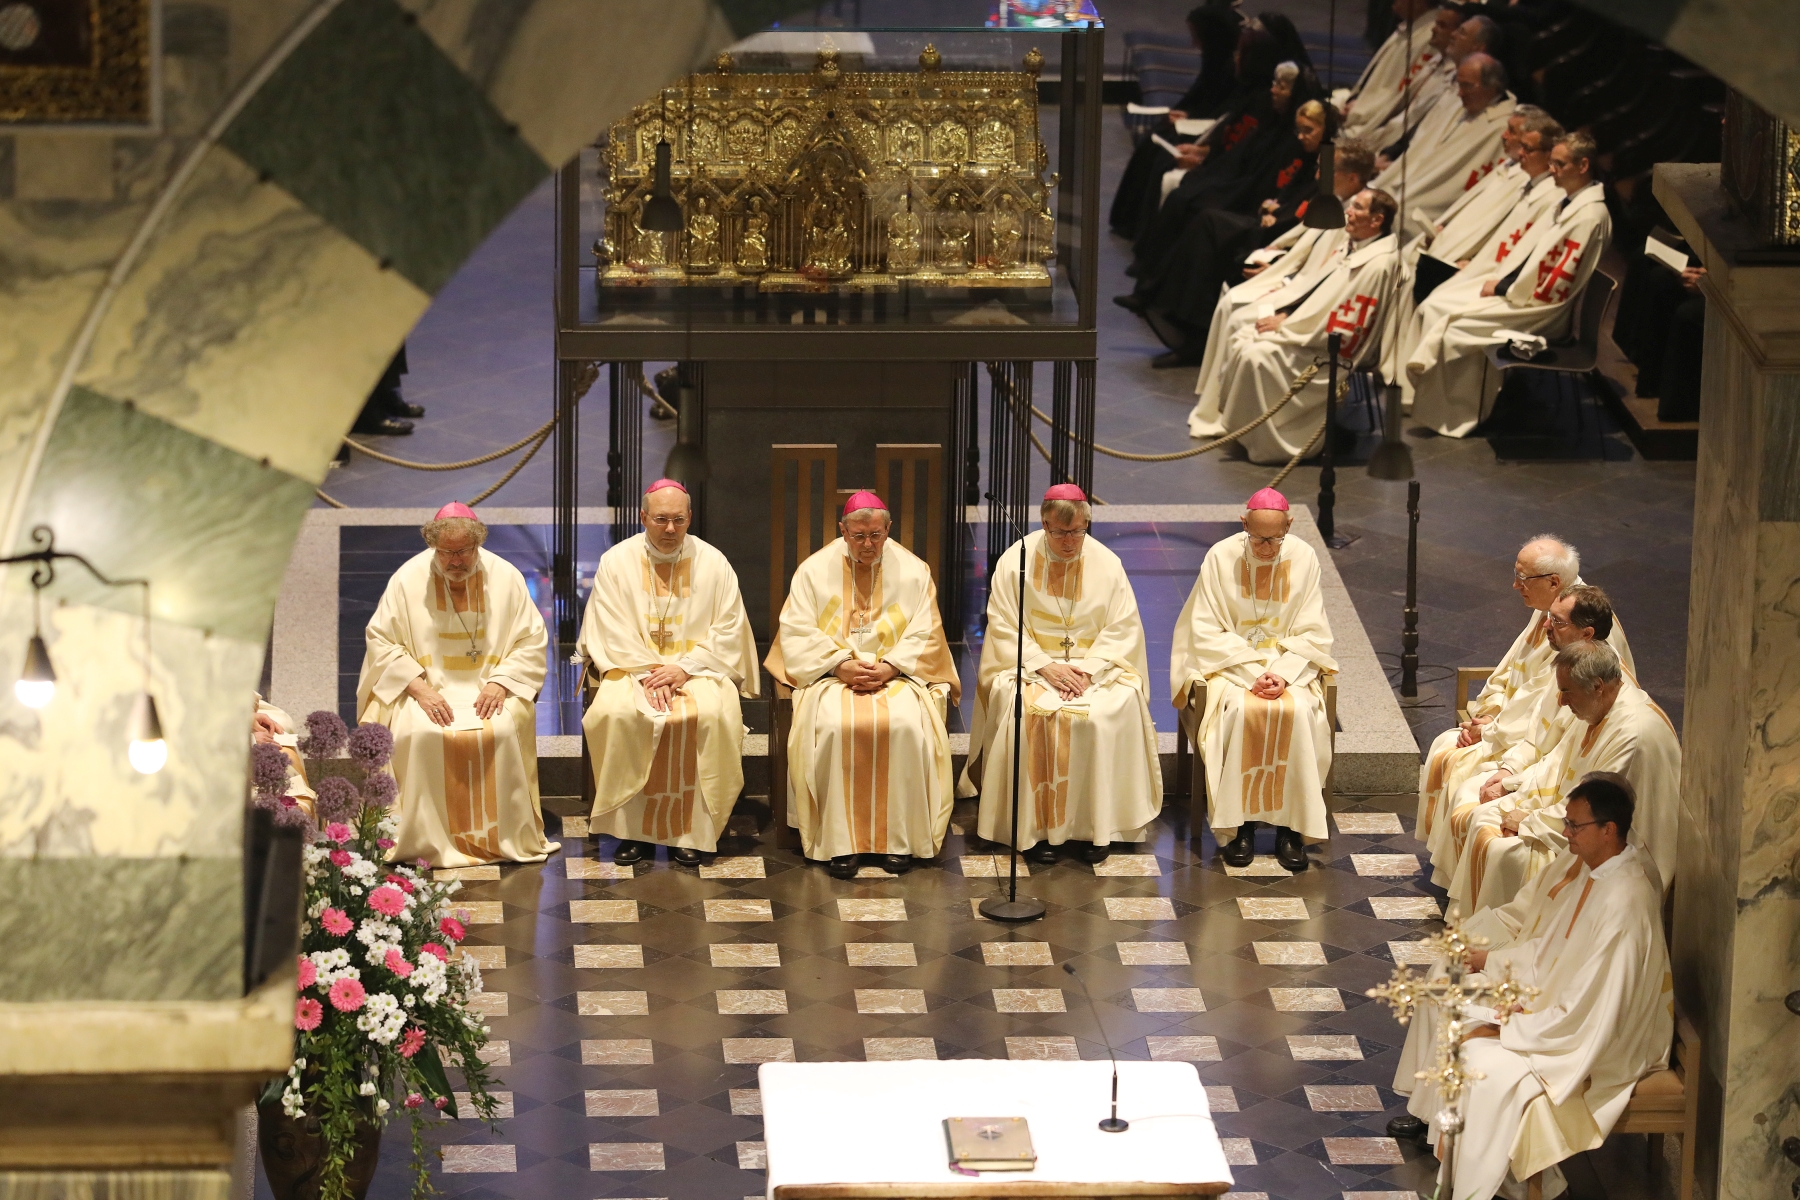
point(1328, 467)
point(1411, 695)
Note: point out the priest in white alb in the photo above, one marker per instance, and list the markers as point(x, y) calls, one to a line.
point(861, 643)
point(1507, 711)
point(1453, 148)
point(1552, 1081)
point(455, 660)
point(1266, 358)
point(669, 649)
point(1453, 385)
point(1517, 826)
point(1089, 771)
point(1253, 633)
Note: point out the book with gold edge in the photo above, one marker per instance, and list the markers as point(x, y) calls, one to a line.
point(990, 1143)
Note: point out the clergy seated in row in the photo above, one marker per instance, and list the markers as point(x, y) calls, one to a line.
point(1453, 386)
point(1454, 147)
point(1253, 634)
point(1552, 1081)
point(1509, 199)
point(455, 660)
point(1465, 36)
point(861, 644)
point(1518, 702)
point(272, 726)
point(1396, 71)
point(1178, 299)
point(1261, 368)
point(1509, 825)
point(669, 651)
point(1089, 770)
point(1215, 31)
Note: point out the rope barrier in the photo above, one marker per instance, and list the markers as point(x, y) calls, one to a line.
point(541, 431)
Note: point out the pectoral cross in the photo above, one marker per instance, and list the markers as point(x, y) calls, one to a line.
point(1068, 644)
point(661, 637)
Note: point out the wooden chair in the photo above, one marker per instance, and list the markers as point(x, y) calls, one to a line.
point(1467, 679)
point(901, 471)
point(1666, 1101)
point(1190, 771)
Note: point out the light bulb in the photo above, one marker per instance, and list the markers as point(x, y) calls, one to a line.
point(147, 758)
point(36, 684)
point(147, 752)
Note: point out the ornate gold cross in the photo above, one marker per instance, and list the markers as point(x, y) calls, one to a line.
point(1068, 644)
point(661, 637)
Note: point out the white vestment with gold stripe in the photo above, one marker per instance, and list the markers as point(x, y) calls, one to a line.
point(1266, 760)
point(1089, 771)
point(667, 777)
point(868, 773)
point(467, 796)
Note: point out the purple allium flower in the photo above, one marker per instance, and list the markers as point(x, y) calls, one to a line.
point(338, 800)
point(325, 734)
point(379, 789)
point(268, 769)
point(371, 745)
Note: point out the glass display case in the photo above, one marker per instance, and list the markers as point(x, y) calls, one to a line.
point(895, 192)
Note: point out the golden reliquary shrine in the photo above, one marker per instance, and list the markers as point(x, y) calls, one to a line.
point(835, 179)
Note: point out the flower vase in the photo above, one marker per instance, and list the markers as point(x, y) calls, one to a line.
point(293, 1154)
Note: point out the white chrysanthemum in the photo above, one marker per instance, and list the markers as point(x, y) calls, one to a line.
point(382, 1018)
point(367, 1089)
point(333, 965)
point(362, 870)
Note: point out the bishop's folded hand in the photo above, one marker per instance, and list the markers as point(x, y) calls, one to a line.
point(1268, 686)
point(669, 676)
point(1495, 786)
point(1470, 731)
point(1070, 682)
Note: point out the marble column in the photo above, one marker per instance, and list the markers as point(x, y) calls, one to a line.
point(1736, 943)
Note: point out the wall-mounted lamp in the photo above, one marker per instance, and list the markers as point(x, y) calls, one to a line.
point(36, 685)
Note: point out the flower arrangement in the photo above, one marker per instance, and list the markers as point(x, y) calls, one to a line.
point(381, 1007)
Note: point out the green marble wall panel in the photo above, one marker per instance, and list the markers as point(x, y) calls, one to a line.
point(252, 322)
point(508, 49)
point(371, 126)
point(140, 929)
point(142, 498)
point(67, 789)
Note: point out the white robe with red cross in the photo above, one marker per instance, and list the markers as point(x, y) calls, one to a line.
point(1404, 60)
point(1260, 368)
point(1453, 385)
point(1451, 151)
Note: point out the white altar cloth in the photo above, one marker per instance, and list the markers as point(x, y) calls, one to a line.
point(882, 1123)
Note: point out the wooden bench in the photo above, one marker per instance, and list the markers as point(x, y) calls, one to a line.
point(1663, 1102)
point(902, 473)
point(1190, 771)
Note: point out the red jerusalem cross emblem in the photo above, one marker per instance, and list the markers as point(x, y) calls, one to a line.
point(1511, 240)
point(1556, 278)
point(1352, 326)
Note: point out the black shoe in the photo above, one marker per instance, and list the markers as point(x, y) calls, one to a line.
point(1240, 850)
point(896, 864)
point(1130, 302)
point(400, 408)
point(342, 458)
point(630, 852)
point(1290, 849)
point(384, 426)
point(1043, 854)
point(685, 855)
point(1170, 359)
point(1095, 854)
point(1407, 1126)
point(843, 866)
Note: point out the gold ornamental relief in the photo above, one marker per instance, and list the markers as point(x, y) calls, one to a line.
point(835, 179)
point(77, 62)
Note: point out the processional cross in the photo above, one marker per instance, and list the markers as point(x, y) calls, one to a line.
point(1453, 993)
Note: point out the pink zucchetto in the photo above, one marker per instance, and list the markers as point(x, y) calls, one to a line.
point(864, 500)
point(1267, 498)
point(1065, 491)
point(456, 508)
point(660, 484)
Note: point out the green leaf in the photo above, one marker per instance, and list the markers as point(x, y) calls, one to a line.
point(271, 1093)
point(432, 1068)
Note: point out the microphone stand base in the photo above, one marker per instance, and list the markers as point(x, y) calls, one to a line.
point(1114, 1125)
point(999, 908)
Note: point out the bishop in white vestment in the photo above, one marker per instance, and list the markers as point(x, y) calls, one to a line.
point(1453, 385)
point(861, 643)
point(1253, 633)
point(669, 647)
point(455, 660)
point(1552, 1081)
point(1617, 728)
point(1453, 148)
point(1265, 358)
point(1090, 770)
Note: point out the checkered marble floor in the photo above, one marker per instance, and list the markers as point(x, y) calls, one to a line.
point(631, 1006)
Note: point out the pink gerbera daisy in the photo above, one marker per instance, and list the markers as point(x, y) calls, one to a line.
point(412, 1041)
point(308, 1013)
point(396, 962)
point(453, 929)
point(435, 950)
point(335, 921)
point(346, 995)
point(309, 973)
point(388, 900)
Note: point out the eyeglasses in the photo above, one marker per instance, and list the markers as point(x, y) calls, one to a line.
point(457, 554)
point(1571, 826)
point(1267, 541)
point(1518, 578)
point(1067, 533)
point(666, 522)
point(865, 539)
point(1557, 622)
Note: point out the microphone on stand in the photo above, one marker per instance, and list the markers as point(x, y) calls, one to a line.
point(1110, 1124)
